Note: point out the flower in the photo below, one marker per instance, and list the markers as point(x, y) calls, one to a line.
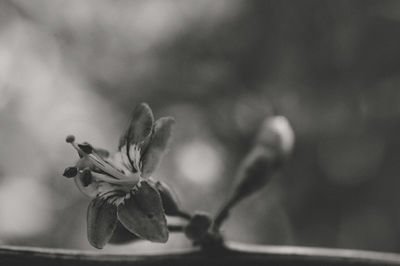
point(121, 187)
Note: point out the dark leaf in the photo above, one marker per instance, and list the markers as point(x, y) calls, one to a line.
point(101, 222)
point(158, 145)
point(143, 214)
point(168, 197)
point(122, 236)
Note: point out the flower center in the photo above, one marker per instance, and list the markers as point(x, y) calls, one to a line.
point(108, 172)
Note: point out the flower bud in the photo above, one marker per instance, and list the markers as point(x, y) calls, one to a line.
point(256, 170)
point(122, 236)
point(198, 226)
point(276, 132)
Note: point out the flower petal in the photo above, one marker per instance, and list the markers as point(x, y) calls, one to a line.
point(158, 145)
point(140, 126)
point(101, 222)
point(134, 154)
point(143, 214)
point(120, 160)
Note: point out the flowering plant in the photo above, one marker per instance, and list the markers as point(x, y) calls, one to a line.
point(128, 204)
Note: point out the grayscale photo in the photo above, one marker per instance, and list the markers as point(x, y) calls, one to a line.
point(199, 132)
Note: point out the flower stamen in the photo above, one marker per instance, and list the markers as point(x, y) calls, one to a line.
point(87, 177)
point(70, 138)
point(86, 149)
point(104, 178)
point(70, 172)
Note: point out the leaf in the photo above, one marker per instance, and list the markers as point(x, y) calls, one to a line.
point(158, 145)
point(169, 199)
point(139, 127)
point(84, 162)
point(101, 222)
point(122, 236)
point(143, 214)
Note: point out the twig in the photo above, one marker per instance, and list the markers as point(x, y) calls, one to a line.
point(184, 215)
point(176, 228)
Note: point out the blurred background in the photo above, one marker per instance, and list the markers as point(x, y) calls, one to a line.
point(219, 67)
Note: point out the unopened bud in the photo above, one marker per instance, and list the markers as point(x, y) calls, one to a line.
point(198, 226)
point(276, 132)
point(255, 171)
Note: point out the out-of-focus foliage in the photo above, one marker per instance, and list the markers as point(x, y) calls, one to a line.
point(218, 67)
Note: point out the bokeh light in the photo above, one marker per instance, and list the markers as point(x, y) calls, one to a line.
point(199, 162)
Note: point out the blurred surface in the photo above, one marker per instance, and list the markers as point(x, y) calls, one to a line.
point(219, 67)
point(236, 254)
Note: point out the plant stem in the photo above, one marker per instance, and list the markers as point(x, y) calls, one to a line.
point(223, 213)
point(176, 228)
point(183, 214)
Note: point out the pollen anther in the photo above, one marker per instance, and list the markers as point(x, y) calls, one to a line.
point(86, 147)
point(70, 138)
point(86, 177)
point(70, 172)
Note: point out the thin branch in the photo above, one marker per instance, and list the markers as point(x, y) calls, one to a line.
point(183, 214)
point(176, 228)
point(223, 214)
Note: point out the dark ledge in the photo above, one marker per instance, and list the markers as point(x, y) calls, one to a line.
point(235, 254)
